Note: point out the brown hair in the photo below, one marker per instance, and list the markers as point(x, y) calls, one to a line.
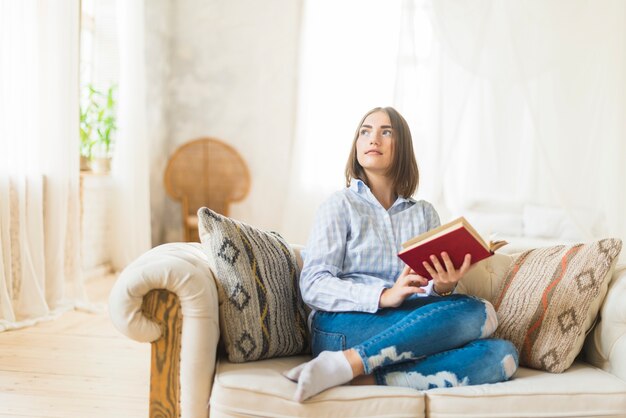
point(403, 171)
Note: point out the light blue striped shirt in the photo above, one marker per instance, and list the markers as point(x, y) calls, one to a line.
point(351, 254)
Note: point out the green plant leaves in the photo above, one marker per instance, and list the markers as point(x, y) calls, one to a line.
point(98, 121)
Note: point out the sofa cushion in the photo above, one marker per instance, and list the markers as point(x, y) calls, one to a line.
point(605, 346)
point(549, 299)
point(581, 391)
point(256, 272)
point(483, 279)
point(258, 389)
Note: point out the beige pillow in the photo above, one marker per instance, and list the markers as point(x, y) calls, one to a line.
point(484, 277)
point(549, 299)
point(261, 313)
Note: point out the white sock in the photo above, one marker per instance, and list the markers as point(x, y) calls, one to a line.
point(329, 369)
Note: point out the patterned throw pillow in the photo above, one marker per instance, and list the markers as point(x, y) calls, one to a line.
point(261, 313)
point(549, 299)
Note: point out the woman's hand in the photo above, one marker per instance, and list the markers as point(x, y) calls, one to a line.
point(446, 277)
point(407, 284)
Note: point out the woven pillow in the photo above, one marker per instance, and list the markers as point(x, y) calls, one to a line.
point(549, 299)
point(261, 313)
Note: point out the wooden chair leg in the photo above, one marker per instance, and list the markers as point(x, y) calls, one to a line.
point(185, 214)
point(163, 307)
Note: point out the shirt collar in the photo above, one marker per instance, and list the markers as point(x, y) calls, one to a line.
point(359, 187)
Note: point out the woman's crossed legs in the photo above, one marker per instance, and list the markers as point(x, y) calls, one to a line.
point(425, 343)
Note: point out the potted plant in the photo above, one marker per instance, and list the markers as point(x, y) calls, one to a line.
point(86, 128)
point(98, 124)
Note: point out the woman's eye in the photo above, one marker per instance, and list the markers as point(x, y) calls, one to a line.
point(387, 132)
point(364, 132)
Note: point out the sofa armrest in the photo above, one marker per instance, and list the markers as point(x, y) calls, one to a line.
point(170, 284)
point(605, 346)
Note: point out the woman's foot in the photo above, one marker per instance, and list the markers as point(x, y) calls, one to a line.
point(329, 369)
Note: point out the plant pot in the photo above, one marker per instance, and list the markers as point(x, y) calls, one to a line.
point(101, 165)
point(84, 163)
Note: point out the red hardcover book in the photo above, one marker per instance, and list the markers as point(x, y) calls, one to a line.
point(457, 238)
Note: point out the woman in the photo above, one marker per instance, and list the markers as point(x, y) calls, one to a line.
point(367, 325)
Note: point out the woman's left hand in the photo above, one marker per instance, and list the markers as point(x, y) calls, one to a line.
point(446, 277)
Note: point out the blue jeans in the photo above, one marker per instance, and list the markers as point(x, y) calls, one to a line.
point(427, 342)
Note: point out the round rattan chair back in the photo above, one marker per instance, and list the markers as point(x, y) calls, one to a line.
point(205, 172)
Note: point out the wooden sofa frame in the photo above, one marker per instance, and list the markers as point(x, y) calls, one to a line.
point(163, 307)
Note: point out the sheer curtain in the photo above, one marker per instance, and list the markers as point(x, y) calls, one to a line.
point(527, 122)
point(39, 183)
point(347, 67)
point(516, 108)
point(131, 170)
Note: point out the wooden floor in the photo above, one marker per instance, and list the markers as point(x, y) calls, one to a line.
point(77, 366)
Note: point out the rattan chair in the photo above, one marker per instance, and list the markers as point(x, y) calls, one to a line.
point(205, 172)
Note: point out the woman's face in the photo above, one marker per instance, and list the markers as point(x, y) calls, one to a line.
point(375, 143)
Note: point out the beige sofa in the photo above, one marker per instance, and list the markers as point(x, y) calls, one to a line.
point(168, 297)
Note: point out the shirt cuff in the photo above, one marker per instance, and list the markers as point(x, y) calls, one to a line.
point(429, 289)
point(372, 300)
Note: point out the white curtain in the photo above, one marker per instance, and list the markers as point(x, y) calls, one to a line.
point(517, 109)
point(39, 175)
point(347, 66)
point(130, 171)
point(526, 125)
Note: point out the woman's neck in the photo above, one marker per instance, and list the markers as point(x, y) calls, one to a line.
point(382, 189)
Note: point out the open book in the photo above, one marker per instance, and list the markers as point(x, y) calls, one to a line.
point(457, 238)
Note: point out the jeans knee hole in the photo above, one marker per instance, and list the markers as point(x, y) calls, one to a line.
point(491, 321)
point(509, 366)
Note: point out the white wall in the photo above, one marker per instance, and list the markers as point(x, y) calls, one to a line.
point(227, 70)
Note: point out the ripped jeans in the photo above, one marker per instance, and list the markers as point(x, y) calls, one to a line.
point(427, 342)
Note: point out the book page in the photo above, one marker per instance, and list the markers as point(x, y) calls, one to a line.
point(430, 235)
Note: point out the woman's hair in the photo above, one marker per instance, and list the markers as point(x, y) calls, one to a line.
point(403, 171)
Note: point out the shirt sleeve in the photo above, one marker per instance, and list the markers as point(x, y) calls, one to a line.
point(431, 217)
point(320, 281)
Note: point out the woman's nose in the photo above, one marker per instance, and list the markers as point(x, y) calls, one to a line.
point(375, 138)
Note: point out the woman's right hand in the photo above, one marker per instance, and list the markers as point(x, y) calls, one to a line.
point(407, 284)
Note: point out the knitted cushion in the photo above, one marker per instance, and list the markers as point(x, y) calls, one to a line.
point(549, 299)
point(261, 313)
